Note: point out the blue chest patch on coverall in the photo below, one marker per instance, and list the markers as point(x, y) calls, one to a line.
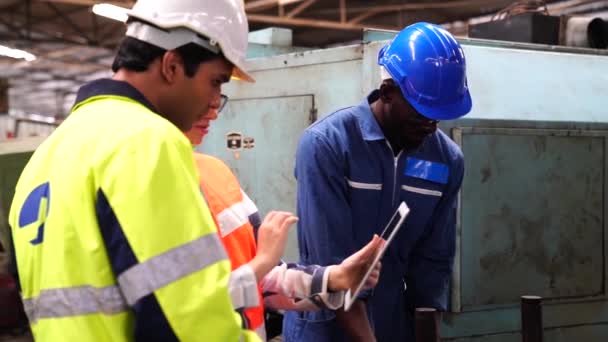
point(424, 169)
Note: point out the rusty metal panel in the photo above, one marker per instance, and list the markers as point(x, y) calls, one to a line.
point(531, 221)
point(12, 164)
point(534, 216)
point(257, 138)
point(13, 157)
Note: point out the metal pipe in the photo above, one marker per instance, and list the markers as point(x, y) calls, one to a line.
point(301, 7)
point(427, 325)
point(587, 32)
point(531, 319)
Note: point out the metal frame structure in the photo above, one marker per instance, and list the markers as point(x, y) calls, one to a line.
point(28, 19)
point(73, 45)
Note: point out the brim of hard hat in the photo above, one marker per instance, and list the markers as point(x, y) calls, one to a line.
point(446, 112)
point(239, 74)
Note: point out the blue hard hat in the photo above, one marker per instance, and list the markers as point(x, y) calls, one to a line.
point(429, 66)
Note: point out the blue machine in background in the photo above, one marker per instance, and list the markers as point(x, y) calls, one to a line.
point(532, 215)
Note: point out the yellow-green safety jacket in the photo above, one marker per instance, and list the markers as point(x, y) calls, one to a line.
point(112, 237)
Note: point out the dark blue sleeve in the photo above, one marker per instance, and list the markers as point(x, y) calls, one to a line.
point(325, 233)
point(256, 221)
point(150, 321)
point(432, 259)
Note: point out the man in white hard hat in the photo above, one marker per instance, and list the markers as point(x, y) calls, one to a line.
point(113, 239)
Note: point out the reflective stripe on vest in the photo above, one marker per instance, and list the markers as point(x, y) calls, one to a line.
point(135, 283)
point(245, 294)
point(236, 215)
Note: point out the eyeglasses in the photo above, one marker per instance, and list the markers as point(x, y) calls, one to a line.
point(223, 101)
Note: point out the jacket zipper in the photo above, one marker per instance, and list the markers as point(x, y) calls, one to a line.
point(396, 161)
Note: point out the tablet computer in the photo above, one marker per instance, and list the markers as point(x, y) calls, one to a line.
point(388, 234)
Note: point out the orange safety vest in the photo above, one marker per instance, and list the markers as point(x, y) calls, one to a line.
point(231, 209)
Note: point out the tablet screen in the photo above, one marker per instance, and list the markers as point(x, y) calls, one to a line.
point(390, 226)
point(388, 234)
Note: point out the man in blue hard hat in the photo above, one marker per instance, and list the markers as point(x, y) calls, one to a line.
point(356, 165)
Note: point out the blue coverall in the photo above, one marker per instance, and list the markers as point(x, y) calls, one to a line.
point(349, 185)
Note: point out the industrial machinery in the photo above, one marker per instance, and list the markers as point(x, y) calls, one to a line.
point(532, 212)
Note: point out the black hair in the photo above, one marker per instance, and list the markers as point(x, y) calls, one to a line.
point(193, 55)
point(136, 55)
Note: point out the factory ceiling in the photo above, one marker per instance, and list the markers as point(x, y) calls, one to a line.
point(73, 45)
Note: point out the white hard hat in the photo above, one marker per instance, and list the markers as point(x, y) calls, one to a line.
point(217, 25)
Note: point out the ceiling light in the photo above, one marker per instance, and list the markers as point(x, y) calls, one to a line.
point(286, 2)
point(16, 53)
point(111, 11)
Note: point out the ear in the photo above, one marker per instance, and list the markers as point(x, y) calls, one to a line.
point(171, 66)
point(386, 93)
